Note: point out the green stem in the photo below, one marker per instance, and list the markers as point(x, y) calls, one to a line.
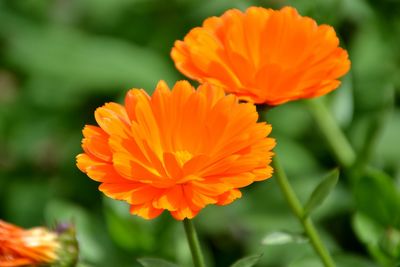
point(298, 210)
point(198, 259)
point(336, 139)
point(344, 152)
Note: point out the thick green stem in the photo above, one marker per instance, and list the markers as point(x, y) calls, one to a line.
point(198, 259)
point(298, 210)
point(337, 141)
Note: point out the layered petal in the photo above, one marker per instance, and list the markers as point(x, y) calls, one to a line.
point(21, 247)
point(264, 56)
point(178, 150)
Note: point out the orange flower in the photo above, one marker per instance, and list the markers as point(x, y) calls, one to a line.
point(263, 55)
point(20, 247)
point(178, 150)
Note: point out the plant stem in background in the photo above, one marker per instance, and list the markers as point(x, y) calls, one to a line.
point(298, 210)
point(341, 147)
point(197, 255)
point(335, 137)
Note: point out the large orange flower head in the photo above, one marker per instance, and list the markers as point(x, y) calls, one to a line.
point(33, 247)
point(262, 55)
point(178, 150)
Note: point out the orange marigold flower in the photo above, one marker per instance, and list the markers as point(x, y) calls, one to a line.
point(20, 247)
point(178, 150)
point(262, 55)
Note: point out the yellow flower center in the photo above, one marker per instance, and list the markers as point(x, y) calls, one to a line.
point(183, 156)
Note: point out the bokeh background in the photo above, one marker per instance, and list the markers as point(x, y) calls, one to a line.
point(61, 59)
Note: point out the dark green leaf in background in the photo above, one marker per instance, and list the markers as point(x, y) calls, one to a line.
point(150, 262)
point(60, 60)
point(378, 198)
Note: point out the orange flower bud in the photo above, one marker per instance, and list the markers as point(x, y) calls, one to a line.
point(20, 247)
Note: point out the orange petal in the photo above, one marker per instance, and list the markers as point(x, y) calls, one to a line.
point(229, 197)
point(146, 211)
point(178, 150)
point(251, 54)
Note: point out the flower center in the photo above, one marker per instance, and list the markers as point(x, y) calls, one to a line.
point(183, 156)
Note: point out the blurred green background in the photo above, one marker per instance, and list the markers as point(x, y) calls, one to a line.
point(61, 59)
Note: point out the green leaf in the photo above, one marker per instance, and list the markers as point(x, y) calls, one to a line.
point(152, 262)
point(377, 238)
point(280, 238)
point(366, 229)
point(390, 243)
point(90, 63)
point(307, 261)
point(128, 232)
point(247, 261)
point(341, 260)
point(349, 260)
point(321, 192)
point(377, 197)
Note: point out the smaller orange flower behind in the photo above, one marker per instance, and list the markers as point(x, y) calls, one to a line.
point(262, 55)
point(178, 150)
point(20, 247)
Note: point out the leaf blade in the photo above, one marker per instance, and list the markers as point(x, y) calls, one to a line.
point(154, 262)
point(282, 237)
point(321, 192)
point(248, 261)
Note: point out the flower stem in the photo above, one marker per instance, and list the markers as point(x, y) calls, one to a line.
point(336, 139)
point(298, 210)
point(197, 255)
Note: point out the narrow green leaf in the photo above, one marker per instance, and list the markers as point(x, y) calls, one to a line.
point(321, 192)
point(280, 238)
point(152, 262)
point(247, 261)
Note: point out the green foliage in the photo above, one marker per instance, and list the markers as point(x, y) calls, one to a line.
point(342, 260)
point(149, 262)
point(59, 60)
point(128, 232)
point(378, 222)
point(248, 261)
point(385, 207)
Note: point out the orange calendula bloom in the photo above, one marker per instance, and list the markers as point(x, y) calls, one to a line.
point(178, 150)
point(20, 247)
point(262, 55)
